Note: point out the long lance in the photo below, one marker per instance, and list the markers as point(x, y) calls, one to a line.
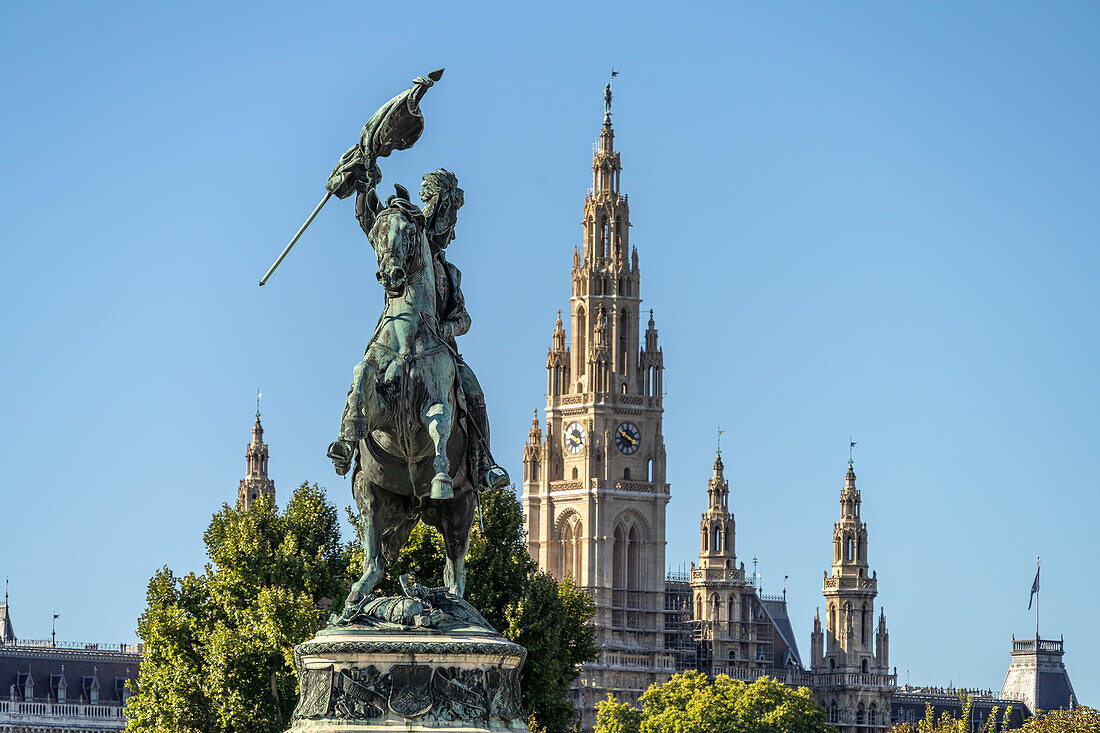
point(294, 240)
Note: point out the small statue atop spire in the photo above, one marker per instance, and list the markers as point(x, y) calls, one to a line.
point(607, 98)
point(259, 394)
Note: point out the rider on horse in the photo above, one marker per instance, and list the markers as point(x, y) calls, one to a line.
point(442, 198)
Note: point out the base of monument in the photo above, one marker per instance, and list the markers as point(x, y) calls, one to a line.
point(358, 678)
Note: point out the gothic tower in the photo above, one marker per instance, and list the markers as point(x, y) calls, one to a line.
point(717, 584)
point(850, 658)
point(594, 491)
point(255, 482)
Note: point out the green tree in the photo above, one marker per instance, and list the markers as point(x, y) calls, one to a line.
point(1081, 719)
point(548, 618)
point(691, 703)
point(219, 646)
point(613, 716)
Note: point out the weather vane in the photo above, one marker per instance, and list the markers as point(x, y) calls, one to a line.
point(851, 447)
point(720, 431)
point(259, 394)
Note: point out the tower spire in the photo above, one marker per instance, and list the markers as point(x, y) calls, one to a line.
point(256, 482)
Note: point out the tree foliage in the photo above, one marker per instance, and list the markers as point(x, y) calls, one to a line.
point(691, 703)
point(1081, 719)
point(219, 646)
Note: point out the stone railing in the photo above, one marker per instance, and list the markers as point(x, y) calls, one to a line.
point(1041, 645)
point(856, 679)
point(51, 709)
point(84, 646)
point(566, 485)
point(632, 660)
point(646, 487)
point(850, 583)
point(791, 679)
point(734, 574)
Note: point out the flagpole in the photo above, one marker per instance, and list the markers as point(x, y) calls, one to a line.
point(1038, 562)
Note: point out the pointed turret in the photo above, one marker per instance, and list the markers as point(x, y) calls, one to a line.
point(716, 531)
point(256, 482)
point(532, 451)
point(557, 361)
point(7, 631)
point(651, 362)
point(817, 642)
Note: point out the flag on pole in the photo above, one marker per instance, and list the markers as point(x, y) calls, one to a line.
point(1034, 589)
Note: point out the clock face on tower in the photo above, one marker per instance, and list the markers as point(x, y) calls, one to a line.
point(574, 437)
point(628, 438)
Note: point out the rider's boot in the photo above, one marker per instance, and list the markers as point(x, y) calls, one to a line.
point(489, 474)
point(341, 453)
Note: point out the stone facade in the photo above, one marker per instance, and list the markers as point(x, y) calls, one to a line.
point(594, 491)
point(738, 632)
point(1037, 675)
point(63, 687)
point(255, 482)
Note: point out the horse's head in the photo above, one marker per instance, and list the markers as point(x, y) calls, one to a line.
point(396, 237)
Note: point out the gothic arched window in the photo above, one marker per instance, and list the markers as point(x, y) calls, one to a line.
point(582, 332)
point(848, 549)
point(618, 560)
point(574, 473)
point(570, 551)
point(633, 560)
point(624, 336)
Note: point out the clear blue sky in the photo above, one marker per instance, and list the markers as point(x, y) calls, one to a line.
point(866, 219)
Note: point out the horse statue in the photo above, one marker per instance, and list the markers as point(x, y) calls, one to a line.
point(402, 420)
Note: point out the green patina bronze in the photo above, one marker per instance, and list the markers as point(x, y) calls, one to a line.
point(414, 435)
point(414, 431)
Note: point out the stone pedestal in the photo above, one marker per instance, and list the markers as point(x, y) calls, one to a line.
point(360, 678)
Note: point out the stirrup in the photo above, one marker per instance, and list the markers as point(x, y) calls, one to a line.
point(495, 477)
